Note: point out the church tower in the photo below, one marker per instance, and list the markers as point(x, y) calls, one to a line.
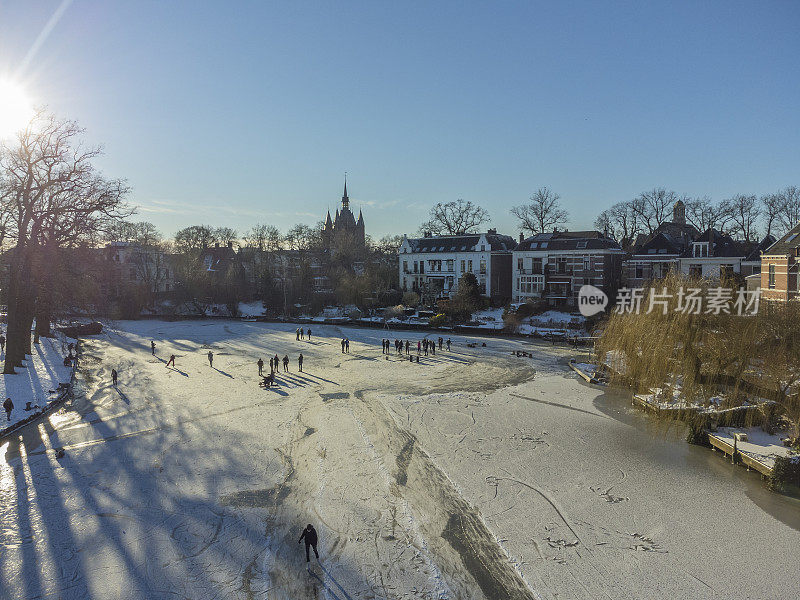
point(344, 224)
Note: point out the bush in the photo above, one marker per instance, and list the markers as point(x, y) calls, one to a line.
point(410, 299)
point(438, 320)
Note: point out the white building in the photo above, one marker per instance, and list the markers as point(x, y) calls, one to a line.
point(552, 267)
point(433, 265)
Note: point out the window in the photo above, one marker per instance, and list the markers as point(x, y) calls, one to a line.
point(416, 267)
point(696, 271)
point(536, 265)
point(639, 272)
point(463, 268)
point(422, 266)
point(469, 264)
point(587, 263)
point(405, 266)
point(771, 277)
point(581, 245)
point(520, 262)
point(700, 249)
point(450, 264)
point(725, 271)
point(483, 267)
point(483, 248)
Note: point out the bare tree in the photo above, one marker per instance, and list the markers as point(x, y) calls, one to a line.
point(266, 238)
point(772, 206)
point(704, 214)
point(54, 199)
point(653, 208)
point(455, 218)
point(790, 214)
point(543, 213)
point(194, 239)
point(226, 236)
point(744, 212)
point(620, 222)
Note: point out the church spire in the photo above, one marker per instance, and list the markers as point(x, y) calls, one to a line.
point(345, 199)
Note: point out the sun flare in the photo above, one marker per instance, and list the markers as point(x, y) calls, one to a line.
point(16, 108)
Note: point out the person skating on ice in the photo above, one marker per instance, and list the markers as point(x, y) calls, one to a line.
point(210, 359)
point(309, 535)
point(300, 362)
point(114, 377)
point(171, 360)
point(286, 363)
point(260, 364)
point(8, 406)
point(153, 348)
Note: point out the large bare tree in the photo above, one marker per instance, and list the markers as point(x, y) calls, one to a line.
point(455, 218)
point(703, 214)
point(542, 213)
point(53, 198)
point(744, 212)
point(654, 207)
point(790, 212)
point(195, 238)
point(619, 222)
point(266, 238)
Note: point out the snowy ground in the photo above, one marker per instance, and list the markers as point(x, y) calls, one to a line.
point(474, 474)
point(36, 382)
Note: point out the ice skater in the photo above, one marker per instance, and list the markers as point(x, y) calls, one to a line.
point(342, 345)
point(171, 360)
point(347, 345)
point(8, 406)
point(210, 359)
point(310, 537)
point(448, 344)
point(286, 363)
point(260, 364)
point(268, 381)
point(297, 334)
point(302, 334)
point(441, 341)
point(152, 347)
point(277, 363)
point(308, 334)
point(114, 377)
point(300, 362)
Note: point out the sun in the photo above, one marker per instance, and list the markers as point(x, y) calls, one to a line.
point(16, 108)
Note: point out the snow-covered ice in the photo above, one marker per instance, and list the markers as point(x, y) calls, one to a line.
point(473, 474)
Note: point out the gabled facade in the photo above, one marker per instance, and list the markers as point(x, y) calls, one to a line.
point(714, 255)
point(780, 263)
point(433, 265)
point(552, 267)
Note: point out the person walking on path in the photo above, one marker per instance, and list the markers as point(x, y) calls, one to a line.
point(171, 360)
point(342, 345)
point(2, 343)
point(210, 359)
point(310, 537)
point(300, 362)
point(114, 377)
point(297, 334)
point(286, 363)
point(8, 406)
point(152, 347)
point(448, 344)
point(347, 345)
point(260, 364)
point(441, 341)
point(308, 334)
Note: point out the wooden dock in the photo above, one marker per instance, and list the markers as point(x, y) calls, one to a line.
point(748, 461)
point(586, 376)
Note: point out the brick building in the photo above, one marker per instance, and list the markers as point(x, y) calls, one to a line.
point(779, 268)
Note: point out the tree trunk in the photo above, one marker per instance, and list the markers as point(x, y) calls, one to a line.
point(14, 348)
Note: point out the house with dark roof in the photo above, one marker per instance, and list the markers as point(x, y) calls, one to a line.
point(433, 265)
point(656, 254)
point(552, 267)
point(715, 255)
point(780, 266)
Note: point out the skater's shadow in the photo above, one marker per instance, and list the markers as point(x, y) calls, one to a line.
point(320, 378)
point(344, 596)
point(123, 396)
point(223, 372)
point(177, 370)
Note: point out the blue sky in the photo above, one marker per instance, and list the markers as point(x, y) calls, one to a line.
point(232, 113)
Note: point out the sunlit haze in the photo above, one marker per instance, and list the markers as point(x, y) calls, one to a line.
point(15, 108)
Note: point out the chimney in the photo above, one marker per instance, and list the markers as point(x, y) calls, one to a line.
point(492, 232)
point(230, 245)
point(521, 237)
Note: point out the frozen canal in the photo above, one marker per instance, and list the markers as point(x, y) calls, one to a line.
point(471, 475)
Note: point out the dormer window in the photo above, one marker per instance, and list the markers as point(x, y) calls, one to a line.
point(700, 249)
